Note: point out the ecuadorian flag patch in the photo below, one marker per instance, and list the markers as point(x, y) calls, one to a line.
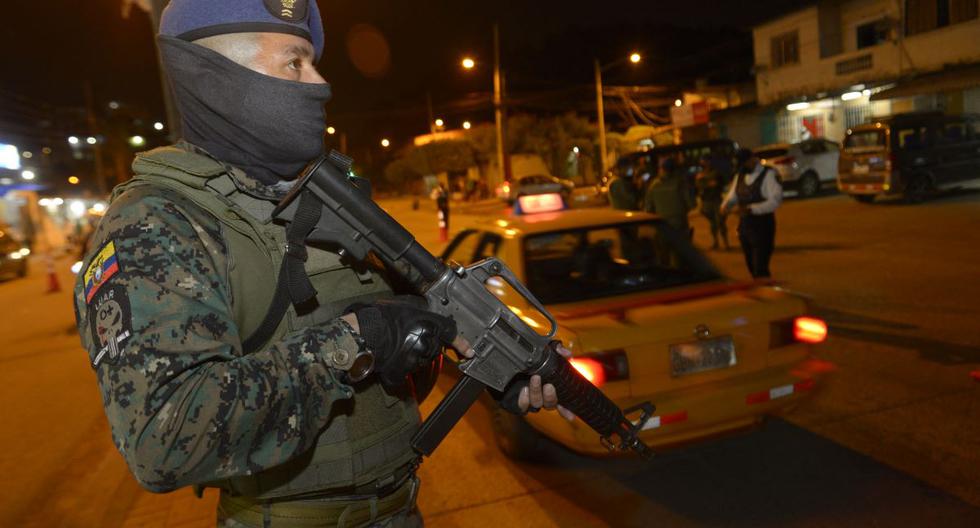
point(103, 266)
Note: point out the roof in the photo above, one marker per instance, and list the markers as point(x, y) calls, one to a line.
point(561, 220)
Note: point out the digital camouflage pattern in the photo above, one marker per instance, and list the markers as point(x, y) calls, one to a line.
point(184, 403)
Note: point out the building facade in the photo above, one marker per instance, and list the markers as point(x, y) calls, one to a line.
point(838, 63)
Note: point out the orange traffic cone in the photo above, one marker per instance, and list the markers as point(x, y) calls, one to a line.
point(443, 227)
point(53, 285)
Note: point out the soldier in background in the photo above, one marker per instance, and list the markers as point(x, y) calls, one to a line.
point(710, 187)
point(669, 197)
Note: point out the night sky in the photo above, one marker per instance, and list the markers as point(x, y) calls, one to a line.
point(52, 48)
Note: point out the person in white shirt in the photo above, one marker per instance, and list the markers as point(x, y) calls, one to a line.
point(755, 194)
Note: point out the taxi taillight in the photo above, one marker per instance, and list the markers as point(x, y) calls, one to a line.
point(803, 329)
point(603, 367)
point(809, 330)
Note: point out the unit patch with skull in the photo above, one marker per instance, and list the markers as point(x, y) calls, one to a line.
point(111, 323)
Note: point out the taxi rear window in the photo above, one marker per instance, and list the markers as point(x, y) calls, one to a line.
point(865, 138)
point(584, 264)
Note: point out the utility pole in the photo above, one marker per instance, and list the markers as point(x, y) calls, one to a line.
point(603, 155)
point(499, 106)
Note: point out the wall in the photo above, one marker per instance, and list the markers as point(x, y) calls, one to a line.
point(924, 52)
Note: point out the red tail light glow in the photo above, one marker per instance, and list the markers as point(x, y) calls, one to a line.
point(809, 330)
point(590, 369)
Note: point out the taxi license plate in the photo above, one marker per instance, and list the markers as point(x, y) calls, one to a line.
point(859, 169)
point(699, 356)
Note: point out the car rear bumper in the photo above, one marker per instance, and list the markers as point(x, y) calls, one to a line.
point(686, 415)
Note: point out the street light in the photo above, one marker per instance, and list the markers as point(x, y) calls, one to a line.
point(600, 110)
point(158, 126)
point(385, 143)
point(28, 175)
point(72, 140)
point(331, 130)
point(73, 180)
point(468, 63)
point(467, 125)
point(91, 140)
point(440, 123)
point(137, 141)
point(678, 103)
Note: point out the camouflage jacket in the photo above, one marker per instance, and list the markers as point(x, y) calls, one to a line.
point(185, 405)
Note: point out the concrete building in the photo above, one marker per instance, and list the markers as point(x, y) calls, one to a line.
point(838, 63)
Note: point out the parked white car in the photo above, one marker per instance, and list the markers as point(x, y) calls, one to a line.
point(804, 167)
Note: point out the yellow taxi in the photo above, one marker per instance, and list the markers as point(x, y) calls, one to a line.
point(647, 318)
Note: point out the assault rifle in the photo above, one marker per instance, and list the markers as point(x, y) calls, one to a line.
point(338, 211)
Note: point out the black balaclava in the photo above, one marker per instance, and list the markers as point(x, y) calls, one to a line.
point(268, 127)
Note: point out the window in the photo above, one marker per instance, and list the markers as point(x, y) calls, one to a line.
point(591, 263)
point(488, 247)
point(913, 138)
point(462, 248)
point(954, 133)
point(872, 33)
point(926, 15)
point(785, 49)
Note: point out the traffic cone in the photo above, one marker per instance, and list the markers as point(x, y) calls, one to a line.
point(53, 285)
point(443, 227)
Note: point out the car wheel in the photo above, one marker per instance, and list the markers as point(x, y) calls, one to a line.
point(864, 198)
point(809, 185)
point(918, 189)
point(515, 437)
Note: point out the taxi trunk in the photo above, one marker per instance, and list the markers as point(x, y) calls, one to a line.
point(717, 352)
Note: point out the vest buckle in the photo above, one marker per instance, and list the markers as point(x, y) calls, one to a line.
point(297, 251)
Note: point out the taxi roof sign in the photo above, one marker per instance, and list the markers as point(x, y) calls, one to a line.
point(539, 203)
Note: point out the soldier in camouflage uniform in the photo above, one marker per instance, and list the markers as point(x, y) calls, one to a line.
point(183, 271)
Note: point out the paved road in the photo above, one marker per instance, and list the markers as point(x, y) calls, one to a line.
point(892, 439)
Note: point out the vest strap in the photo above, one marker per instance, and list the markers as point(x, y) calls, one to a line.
point(294, 283)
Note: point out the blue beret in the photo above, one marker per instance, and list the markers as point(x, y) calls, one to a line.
point(196, 19)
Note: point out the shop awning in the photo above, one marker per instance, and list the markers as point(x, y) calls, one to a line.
point(949, 80)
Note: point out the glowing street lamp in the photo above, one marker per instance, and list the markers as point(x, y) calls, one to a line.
point(600, 110)
point(72, 140)
point(73, 180)
point(28, 175)
point(440, 123)
point(678, 103)
point(331, 130)
point(385, 143)
point(91, 140)
point(468, 63)
point(137, 141)
point(467, 125)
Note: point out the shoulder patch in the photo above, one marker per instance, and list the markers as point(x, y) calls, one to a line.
point(111, 322)
point(288, 10)
point(102, 267)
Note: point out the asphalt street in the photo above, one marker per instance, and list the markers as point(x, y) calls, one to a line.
point(892, 438)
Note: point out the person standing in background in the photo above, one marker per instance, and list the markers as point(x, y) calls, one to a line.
point(755, 195)
point(710, 189)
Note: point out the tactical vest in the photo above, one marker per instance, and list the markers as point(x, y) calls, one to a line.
point(367, 438)
point(751, 194)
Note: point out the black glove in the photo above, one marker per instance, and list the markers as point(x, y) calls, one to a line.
point(403, 335)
